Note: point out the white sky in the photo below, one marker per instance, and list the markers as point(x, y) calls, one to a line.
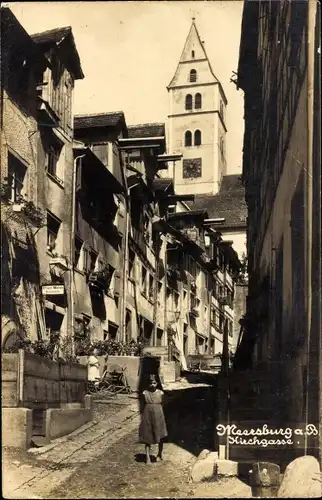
point(129, 52)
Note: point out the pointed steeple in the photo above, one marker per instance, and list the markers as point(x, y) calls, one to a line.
point(193, 52)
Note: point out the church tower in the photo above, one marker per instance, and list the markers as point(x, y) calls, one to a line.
point(196, 121)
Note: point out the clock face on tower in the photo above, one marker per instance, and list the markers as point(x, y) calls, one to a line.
point(191, 168)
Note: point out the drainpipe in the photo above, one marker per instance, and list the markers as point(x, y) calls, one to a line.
point(165, 298)
point(72, 251)
point(125, 259)
point(155, 286)
point(126, 245)
point(312, 5)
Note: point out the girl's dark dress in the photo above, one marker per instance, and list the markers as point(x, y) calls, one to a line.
point(153, 427)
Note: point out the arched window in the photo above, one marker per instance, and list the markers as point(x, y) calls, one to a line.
point(198, 101)
point(188, 138)
point(189, 101)
point(193, 76)
point(192, 54)
point(197, 138)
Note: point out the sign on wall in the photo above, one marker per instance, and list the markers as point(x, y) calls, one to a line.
point(53, 289)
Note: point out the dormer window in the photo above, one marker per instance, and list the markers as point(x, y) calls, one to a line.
point(192, 54)
point(193, 76)
point(189, 101)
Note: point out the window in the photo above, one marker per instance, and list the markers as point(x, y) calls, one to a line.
point(144, 281)
point(192, 54)
point(151, 287)
point(221, 323)
point(197, 138)
point(112, 330)
point(198, 101)
point(176, 298)
point(128, 325)
point(52, 160)
point(53, 225)
point(188, 138)
point(131, 264)
point(52, 157)
point(90, 258)
point(16, 175)
point(188, 101)
point(193, 76)
point(53, 321)
point(77, 251)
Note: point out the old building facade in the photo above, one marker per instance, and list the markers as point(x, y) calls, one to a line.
point(55, 177)
point(196, 128)
point(20, 62)
point(278, 70)
point(117, 253)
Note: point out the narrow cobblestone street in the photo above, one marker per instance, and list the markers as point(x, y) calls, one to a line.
point(106, 460)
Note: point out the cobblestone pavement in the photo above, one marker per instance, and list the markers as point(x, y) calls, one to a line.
point(105, 460)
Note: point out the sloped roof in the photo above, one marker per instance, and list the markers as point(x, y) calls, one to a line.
point(52, 36)
point(110, 119)
point(194, 30)
point(56, 36)
point(229, 203)
point(195, 212)
point(146, 130)
point(162, 184)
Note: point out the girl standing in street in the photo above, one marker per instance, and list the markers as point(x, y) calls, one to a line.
point(153, 428)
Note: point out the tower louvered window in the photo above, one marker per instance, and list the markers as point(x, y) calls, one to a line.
point(197, 138)
point(198, 101)
point(193, 76)
point(189, 101)
point(188, 138)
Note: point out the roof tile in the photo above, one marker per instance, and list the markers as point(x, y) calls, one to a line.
point(229, 203)
point(51, 36)
point(110, 119)
point(146, 130)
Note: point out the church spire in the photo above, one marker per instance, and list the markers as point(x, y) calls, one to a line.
point(193, 52)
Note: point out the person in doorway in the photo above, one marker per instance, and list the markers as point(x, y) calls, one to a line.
point(153, 427)
point(94, 367)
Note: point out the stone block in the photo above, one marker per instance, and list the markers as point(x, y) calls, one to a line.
point(16, 427)
point(204, 469)
point(168, 371)
point(88, 402)
point(62, 421)
point(226, 468)
point(71, 406)
point(203, 454)
point(302, 479)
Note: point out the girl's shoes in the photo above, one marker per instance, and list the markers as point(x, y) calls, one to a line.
point(159, 458)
